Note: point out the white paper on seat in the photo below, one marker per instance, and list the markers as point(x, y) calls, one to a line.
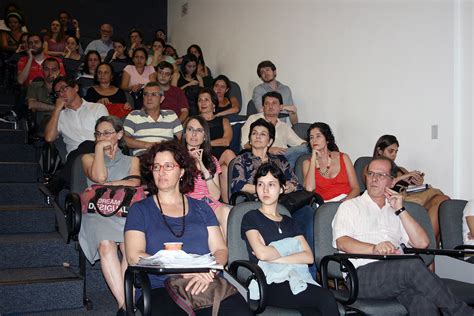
point(180, 259)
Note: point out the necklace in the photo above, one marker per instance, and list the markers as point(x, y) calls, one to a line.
point(179, 235)
point(277, 224)
point(325, 172)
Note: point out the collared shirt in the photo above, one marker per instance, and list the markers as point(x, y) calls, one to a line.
point(175, 100)
point(362, 219)
point(265, 87)
point(246, 166)
point(77, 126)
point(468, 211)
point(141, 126)
point(39, 92)
point(100, 46)
point(285, 136)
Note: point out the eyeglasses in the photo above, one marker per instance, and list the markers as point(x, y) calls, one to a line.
point(167, 166)
point(61, 90)
point(152, 94)
point(192, 130)
point(377, 175)
point(104, 133)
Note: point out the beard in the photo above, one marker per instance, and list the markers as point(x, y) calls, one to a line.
point(37, 51)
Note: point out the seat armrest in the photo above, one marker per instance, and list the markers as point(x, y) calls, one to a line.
point(241, 194)
point(346, 266)
point(464, 247)
point(458, 251)
point(73, 215)
point(257, 275)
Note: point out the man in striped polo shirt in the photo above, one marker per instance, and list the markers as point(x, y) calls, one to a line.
point(150, 125)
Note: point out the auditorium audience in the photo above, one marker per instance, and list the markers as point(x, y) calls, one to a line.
point(137, 75)
point(276, 239)
point(431, 198)
point(117, 54)
point(227, 104)
point(104, 92)
point(328, 172)
point(220, 133)
point(101, 237)
point(206, 183)
point(71, 50)
point(170, 216)
point(69, 25)
point(160, 33)
point(85, 77)
point(55, 41)
point(10, 39)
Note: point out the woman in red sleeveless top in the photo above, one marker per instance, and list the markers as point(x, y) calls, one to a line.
point(329, 172)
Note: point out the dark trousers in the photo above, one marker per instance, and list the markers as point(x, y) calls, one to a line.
point(412, 284)
point(314, 300)
point(163, 305)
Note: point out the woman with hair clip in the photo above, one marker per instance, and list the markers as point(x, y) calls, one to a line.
point(266, 232)
point(100, 235)
point(328, 172)
point(206, 183)
point(171, 216)
point(431, 198)
point(104, 92)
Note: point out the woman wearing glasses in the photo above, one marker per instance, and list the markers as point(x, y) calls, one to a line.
point(100, 235)
point(170, 216)
point(206, 183)
point(328, 172)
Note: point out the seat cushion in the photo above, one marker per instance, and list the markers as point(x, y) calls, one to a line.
point(379, 307)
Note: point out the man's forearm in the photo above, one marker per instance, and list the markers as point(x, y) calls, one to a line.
point(136, 144)
point(351, 245)
point(39, 106)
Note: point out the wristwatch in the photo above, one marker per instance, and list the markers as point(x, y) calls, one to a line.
point(400, 211)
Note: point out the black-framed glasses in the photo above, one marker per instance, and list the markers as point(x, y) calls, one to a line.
point(104, 133)
point(192, 130)
point(378, 175)
point(167, 166)
point(61, 90)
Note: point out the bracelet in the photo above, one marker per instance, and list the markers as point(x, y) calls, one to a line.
point(400, 211)
point(209, 178)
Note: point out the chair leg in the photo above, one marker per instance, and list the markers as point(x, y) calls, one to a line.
point(82, 271)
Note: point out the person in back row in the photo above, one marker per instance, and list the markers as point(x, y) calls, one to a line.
point(175, 99)
point(266, 71)
point(150, 125)
point(104, 43)
point(286, 141)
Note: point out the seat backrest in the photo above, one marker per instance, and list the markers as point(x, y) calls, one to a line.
point(301, 129)
point(236, 92)
point(251, 109)
point(323, 232)
point(299, 167)
point(359, 167)
point(78, 177)
point(235, 243)
point(230, 169)
point(450, 223)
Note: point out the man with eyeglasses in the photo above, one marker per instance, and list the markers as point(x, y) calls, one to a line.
point(175, 99)
point(104, 44)
point(74, 118)
point(150, 125)
point(377, 223)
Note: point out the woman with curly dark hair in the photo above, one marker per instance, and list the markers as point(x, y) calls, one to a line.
point(329, 172)
point(169, 216)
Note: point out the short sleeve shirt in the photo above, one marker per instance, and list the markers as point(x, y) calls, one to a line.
point(175, 100)
point(36, 70)
point(39, 92)
point(145, 216)
point(468, 211)
point(255, 220)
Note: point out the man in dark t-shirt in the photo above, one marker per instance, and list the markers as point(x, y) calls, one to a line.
point(175, 99)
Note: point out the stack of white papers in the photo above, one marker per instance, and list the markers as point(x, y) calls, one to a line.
point(180, 259)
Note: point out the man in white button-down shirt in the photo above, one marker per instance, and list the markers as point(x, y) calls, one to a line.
point(377, 223)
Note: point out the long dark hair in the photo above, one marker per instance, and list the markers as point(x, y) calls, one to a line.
point(206, 145)
point(182, 157)
point(186, 60)
point(200, 59)
point(327, 133)
point(383, 142)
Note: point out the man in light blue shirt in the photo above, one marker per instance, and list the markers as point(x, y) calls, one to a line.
point(266, 70)
point(104, 43)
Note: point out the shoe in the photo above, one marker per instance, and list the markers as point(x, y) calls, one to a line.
point(9, 117)
point(121, 312)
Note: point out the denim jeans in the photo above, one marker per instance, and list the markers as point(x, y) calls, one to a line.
point(293, 153)
point(304, 218)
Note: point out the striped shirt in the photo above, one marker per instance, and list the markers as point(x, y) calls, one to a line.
point(139, 125)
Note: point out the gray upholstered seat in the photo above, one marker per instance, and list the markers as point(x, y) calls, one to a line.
point(450, 223)
point(359, 166)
